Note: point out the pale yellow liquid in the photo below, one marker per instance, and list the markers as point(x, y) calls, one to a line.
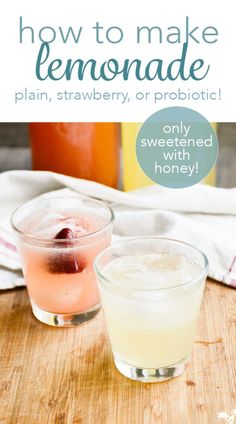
point(150, 328)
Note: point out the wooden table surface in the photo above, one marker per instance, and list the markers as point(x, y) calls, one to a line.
point(67, 376)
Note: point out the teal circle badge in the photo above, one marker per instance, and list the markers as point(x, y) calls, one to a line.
point(177, 147)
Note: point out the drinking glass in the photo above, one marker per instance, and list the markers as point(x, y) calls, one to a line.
point(58, 239)
point(151, 290)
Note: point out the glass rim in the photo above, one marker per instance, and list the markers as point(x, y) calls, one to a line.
point(203, 272)
point(45, 240)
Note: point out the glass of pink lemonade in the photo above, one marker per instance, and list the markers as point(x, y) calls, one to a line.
point(58, 239)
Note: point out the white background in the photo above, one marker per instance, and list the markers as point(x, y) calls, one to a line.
point(18, 60)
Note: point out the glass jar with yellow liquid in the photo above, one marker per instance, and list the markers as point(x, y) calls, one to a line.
point(133, 175)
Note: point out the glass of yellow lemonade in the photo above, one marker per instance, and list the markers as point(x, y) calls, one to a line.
point(151, 290)
point(58, 239)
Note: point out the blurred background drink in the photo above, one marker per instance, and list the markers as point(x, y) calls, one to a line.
point(133, 175)
point(101, 152)
point(83, 150)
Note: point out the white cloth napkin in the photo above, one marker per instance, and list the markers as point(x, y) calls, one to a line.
point(201, 215)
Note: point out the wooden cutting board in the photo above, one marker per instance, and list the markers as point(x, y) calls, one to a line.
point(67, 376)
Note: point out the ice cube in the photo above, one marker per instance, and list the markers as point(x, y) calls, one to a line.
point(148, 270)
point(79, 226)
point(44, 223)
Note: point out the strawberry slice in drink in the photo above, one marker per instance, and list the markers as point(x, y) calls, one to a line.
point(65, 234)
point(66, 262)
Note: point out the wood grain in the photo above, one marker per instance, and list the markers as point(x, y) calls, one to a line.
point(67, 376)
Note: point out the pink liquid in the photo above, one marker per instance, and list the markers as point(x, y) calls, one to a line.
point(52, 282)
